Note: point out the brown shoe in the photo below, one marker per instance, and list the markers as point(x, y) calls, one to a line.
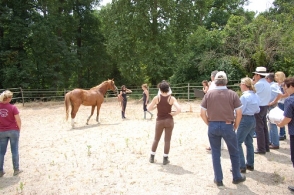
point(274, 147)
point(208, 148)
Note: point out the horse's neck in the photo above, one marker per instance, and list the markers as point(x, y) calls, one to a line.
point(101, 88)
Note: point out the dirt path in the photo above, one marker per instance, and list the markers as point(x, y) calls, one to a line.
point(112, 157)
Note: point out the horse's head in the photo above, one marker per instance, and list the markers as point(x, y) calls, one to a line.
point(111, 85)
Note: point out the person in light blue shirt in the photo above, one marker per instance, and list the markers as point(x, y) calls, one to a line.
point(263, 90)
point(276, 94)
point(250, 106)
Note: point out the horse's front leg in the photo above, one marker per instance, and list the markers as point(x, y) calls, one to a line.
point(98, 109)
point(92, 111)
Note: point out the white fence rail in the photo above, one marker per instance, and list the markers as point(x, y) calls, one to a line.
point(180, 91)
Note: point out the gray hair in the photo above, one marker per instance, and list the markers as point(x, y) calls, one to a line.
point(271, 77)
point(221, 82)
point(213, 73)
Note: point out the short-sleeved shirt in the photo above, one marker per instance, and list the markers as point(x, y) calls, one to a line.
point(212, 86)
point(250, 103)
point(282, 100)
point(263, 90)
point(275, 90)
point(289, 112)
point(7, 119)
point(220, 104)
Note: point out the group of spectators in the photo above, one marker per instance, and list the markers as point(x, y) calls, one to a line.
point(229, 117)
point(236, 119)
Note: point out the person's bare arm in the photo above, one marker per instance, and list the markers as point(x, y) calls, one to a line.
point(284, 122)
point(153, 104)
point(176, 105)
point(275, 101)
point(238, 118)
point(204, 115)
point(18, 121)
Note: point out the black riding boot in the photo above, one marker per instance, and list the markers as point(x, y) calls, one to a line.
point(151, 159)
point(165, 160)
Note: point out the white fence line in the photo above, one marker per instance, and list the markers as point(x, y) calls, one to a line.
point(183, 92)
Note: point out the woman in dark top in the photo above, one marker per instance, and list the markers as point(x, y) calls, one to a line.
point(145, 100)
point(164, 121)
point(123, 94)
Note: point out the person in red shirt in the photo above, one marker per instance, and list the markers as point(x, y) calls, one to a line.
point(10, 125)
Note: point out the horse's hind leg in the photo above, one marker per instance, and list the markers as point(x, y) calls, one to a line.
point(73, 113)
point(92, 111)
point(98, 109)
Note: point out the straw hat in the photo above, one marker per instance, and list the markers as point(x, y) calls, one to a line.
point(261, 71)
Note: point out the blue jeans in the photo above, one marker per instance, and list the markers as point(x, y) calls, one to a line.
point(245, 134)
point(13, 137)
point(274, 138)
point(216, 131)
point(282, 129)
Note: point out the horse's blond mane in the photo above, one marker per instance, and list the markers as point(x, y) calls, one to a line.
point(98, 86)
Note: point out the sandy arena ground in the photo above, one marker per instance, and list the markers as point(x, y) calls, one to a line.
point(112, 157)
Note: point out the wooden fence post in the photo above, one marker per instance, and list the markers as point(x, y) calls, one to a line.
point(22, 96)
point(188, 92)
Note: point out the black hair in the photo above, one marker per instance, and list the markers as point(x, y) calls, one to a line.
point(164, 86)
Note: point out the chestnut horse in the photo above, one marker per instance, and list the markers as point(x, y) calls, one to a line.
point(93, 97)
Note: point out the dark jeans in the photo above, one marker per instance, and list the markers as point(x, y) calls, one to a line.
point(262, 130)
point(282, 129)
point(292, 148)
point(216, 131)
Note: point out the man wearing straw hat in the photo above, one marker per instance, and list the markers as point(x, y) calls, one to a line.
point(263, 91)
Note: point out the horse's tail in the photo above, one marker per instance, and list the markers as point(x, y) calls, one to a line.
point(66, 102)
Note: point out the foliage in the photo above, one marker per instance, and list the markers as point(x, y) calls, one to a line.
point(69, 43)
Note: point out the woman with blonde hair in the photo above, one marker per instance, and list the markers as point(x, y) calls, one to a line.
point(280, 77)
point(10, 125)
point(250, 106)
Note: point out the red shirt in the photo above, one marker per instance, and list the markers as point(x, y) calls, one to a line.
point(7, 119)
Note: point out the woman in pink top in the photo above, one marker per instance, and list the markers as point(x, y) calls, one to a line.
point(10, 124)
point(164, 120)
